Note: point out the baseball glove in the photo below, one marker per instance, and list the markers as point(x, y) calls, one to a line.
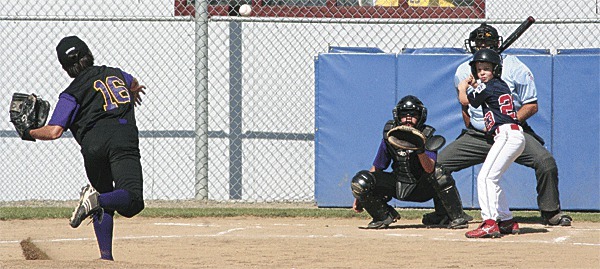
point(28, 111)
point(407, 138)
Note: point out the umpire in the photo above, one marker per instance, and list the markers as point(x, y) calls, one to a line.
point(415, 177)
point(98, 108)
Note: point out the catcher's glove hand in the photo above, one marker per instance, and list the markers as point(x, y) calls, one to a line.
point(407, 138)
point(28, 111)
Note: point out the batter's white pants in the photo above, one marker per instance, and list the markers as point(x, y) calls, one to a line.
point(508, 145)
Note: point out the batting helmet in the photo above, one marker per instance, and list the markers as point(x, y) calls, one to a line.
point(484, 36)
point(490, 56)
point(410, 105)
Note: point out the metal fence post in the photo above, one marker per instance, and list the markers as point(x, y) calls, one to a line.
point(201, 104)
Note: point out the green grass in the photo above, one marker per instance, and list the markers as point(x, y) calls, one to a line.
point(24, 213)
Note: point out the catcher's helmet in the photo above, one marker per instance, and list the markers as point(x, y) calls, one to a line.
point(412, 106)
point(483, 36)
point(490, 56)
point(362, 184)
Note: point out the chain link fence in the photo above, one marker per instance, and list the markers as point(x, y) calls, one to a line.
point(229, 114)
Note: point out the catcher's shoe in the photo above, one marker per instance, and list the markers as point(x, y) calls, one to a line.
point(434, 218)
point(391, 216)
point(559, 219)
point(509, 227)
point(487, 229)
point(88, 206)
point(393, 213)
point(460, 223)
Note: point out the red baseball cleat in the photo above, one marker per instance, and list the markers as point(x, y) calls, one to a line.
point(509, 227)
point(487, 229)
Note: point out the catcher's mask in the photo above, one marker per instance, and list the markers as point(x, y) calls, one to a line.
point(490, 56)
point(484, 36)
point(413, 107)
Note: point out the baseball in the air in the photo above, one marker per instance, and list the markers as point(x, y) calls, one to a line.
point(245, 10)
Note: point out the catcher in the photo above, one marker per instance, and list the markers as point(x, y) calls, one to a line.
point(410, 146)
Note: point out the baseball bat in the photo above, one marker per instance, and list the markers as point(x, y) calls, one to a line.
point(516, 34)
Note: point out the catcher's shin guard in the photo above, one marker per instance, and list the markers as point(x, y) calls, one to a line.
point(445, 187)
point(451, 201)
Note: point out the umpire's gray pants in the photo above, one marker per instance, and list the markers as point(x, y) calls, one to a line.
point(471, 148)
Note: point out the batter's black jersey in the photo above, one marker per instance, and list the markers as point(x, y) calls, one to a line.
point(102, 93)
point(497, 103)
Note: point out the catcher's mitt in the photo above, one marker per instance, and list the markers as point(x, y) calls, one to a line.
point(28, 111)
point(407, 138)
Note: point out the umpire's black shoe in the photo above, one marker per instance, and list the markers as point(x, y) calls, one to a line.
point(88, 205)
point(559, 219)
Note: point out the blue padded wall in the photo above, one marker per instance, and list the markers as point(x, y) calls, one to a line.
point(429, 75)
point(576, 127)
point(354, 98)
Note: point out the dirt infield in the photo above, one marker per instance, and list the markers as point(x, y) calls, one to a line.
point(247, 242)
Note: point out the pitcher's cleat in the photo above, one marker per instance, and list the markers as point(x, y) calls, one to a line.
point(88, 206)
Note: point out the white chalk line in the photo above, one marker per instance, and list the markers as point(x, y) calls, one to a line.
point(406, 235)
point(570, 228)
point(558, 240)
point(184, 224)
point(129, 237)
point(288, 224)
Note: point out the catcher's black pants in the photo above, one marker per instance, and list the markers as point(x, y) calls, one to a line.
point(111, 154)
point(386, 187)
point(471, 148)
